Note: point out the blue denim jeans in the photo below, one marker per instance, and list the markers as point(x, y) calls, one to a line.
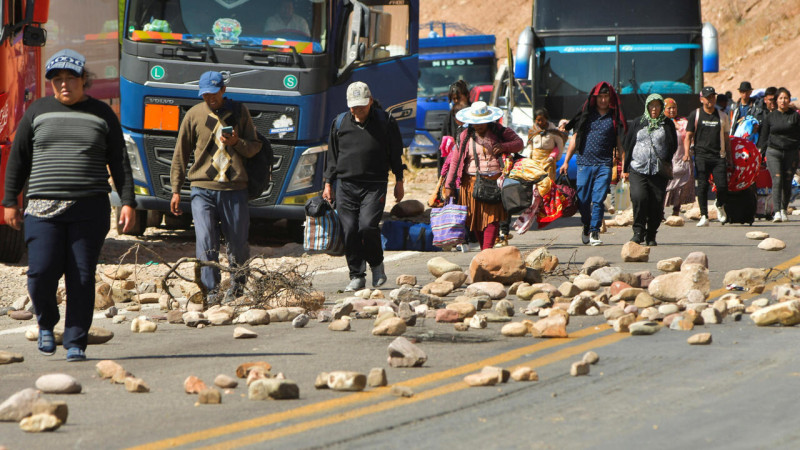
point(68, 244)
point(226, 212)
point(593, 184)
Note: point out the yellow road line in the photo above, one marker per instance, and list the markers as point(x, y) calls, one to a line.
point(422, 396)
point(780, 267)
point(326, 405)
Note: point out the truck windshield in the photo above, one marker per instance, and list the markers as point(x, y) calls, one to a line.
point(660, 63)
point(436, 76)
point(301, 24)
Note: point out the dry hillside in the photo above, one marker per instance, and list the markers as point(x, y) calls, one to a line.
point(759, 39)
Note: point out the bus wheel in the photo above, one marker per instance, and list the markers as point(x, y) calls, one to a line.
point(12, 244)
point(138, 228)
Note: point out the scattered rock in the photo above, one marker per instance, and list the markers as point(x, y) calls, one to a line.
point(401, 391)
point(580, 304)
point(20, 315)
point(586, 284)
point(40, 422)
point(501, 374)
point(377, 377)
point(175, 316)
point(606, 275)
point(480, 379)
point(408, 208)
point(672, 287)
point(674, 221)
point(553, 326)
point(524, 374)
point(503, 265)
point(699, 339)
point(300, 321)
point(461, 326)
point(711, 316)
point(19, 405)
point(253, 317)
point(10, 357)
point(644, 300)
point(244, 333)
point(504, 308)
point(98, 335)
point(568, 289)
point(118, 273)
point(406, 279)
point(514, 329)
point(210, 396)
point(243, 369)
point(593, 263)
point(136, 385)
point(541, 259)
point(747, 278)
point(696, 258)
point(142, 324)
point(193, 385)
point(393, 326)
point(402, 353)
point(339, 325)
point(772, 245)
point(58, 383)
point(757, 235)
point(456, 277)
point(194, 319)
point(56, 408)
point(579, 368)
point(225, 382)
point(447, 316)
point(623, 323)
point(493, 289)
point(590, 357)
point(109, 369)
point(786, 313)
point(643, 328)
point(439, 288)
point(346, 381)
point(670, 265)
point(794, 273)
point(477, 321)
point(273, 388)
point(633, 252)
point(439, 266)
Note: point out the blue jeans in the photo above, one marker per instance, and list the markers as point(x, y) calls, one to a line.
point(68, 244)
point(593, 185)
point(226, 212)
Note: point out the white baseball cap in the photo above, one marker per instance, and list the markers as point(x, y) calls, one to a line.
point(358, 94)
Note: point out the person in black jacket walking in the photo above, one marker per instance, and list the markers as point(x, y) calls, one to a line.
point(650, 144)
point(779, 142)
point(361, 150)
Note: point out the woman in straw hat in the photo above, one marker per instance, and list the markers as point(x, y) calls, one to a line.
point(483, 144)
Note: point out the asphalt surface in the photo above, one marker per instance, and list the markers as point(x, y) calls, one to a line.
point(654, 391)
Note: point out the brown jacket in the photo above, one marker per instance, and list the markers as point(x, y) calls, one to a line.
point(196, 134)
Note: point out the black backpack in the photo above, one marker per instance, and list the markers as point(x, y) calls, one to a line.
point(259, 166)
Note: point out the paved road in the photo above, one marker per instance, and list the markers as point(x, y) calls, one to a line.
point(654, 390)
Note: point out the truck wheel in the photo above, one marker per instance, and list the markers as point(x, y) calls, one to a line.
point(182, 222)
point(295, 229)
point(12, 244)
point(415, 161)
point(154, 218)
point(138, 228)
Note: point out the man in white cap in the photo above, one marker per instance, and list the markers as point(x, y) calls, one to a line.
point(364, 144)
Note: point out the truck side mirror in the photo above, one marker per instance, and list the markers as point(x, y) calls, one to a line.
point(502, 102)
point(34, 36)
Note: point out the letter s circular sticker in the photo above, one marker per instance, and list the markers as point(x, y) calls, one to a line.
point(290, 81)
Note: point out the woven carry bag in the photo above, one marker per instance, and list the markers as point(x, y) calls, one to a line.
point(449, 224)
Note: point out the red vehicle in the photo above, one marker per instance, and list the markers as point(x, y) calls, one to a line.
point(21, 40)
point(481, 93)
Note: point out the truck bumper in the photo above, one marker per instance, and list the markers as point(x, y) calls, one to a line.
point(424, 144)
point(290, 212)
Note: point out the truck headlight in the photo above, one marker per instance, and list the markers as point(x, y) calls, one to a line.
point(421, 140)
point(306, 168)
point(133, 157)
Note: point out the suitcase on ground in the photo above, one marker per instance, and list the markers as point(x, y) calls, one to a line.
point(394, 234)
point(764, 206)
point(420, 238)
point(741, 206)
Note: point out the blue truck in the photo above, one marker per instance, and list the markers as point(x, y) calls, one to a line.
point(288, 61)
point(443, 60)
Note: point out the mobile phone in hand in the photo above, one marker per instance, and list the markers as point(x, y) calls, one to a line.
point(227, 130)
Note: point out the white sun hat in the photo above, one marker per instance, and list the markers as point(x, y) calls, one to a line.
point(479, 113)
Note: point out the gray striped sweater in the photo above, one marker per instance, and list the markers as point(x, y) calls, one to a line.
point(62, 151)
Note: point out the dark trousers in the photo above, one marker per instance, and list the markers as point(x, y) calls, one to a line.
point(711, 166)
point(647, 198)
point(781, 166)
point(69, 245)
point(225, 212)
point(360, 206)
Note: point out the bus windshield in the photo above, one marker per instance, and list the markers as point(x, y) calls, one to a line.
point(659, 63)
point(301, 24)
point(436, 76)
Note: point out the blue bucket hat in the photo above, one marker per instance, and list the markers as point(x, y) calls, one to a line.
point(210, 83)
point(64, 59)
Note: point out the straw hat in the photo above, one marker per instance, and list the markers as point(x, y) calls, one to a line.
point(479, 113)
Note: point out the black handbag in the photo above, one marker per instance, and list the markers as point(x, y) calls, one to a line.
point(486, 189)
point(517, 195)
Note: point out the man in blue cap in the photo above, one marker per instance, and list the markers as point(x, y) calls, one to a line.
point(220, 134)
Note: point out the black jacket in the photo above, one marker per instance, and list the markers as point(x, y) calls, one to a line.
point(629, 142)
point(780, 131)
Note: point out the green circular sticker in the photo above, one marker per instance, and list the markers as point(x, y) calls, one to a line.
point(290, 81)
point(157, 72)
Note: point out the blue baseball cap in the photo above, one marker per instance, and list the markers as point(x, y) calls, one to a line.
point(211, 82)
point(64, 59)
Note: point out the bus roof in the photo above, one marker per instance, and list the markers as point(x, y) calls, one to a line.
point(584, 15)
point(453, 41)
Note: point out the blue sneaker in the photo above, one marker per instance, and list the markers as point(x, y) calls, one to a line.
point(47, 342)
point(75, 354)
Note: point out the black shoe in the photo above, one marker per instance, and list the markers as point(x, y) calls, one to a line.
point(637, 239)
point(651, 243)
point(585, 235)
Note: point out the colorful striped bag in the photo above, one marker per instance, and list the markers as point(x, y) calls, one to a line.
point(449, 224)
point(324, 234)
